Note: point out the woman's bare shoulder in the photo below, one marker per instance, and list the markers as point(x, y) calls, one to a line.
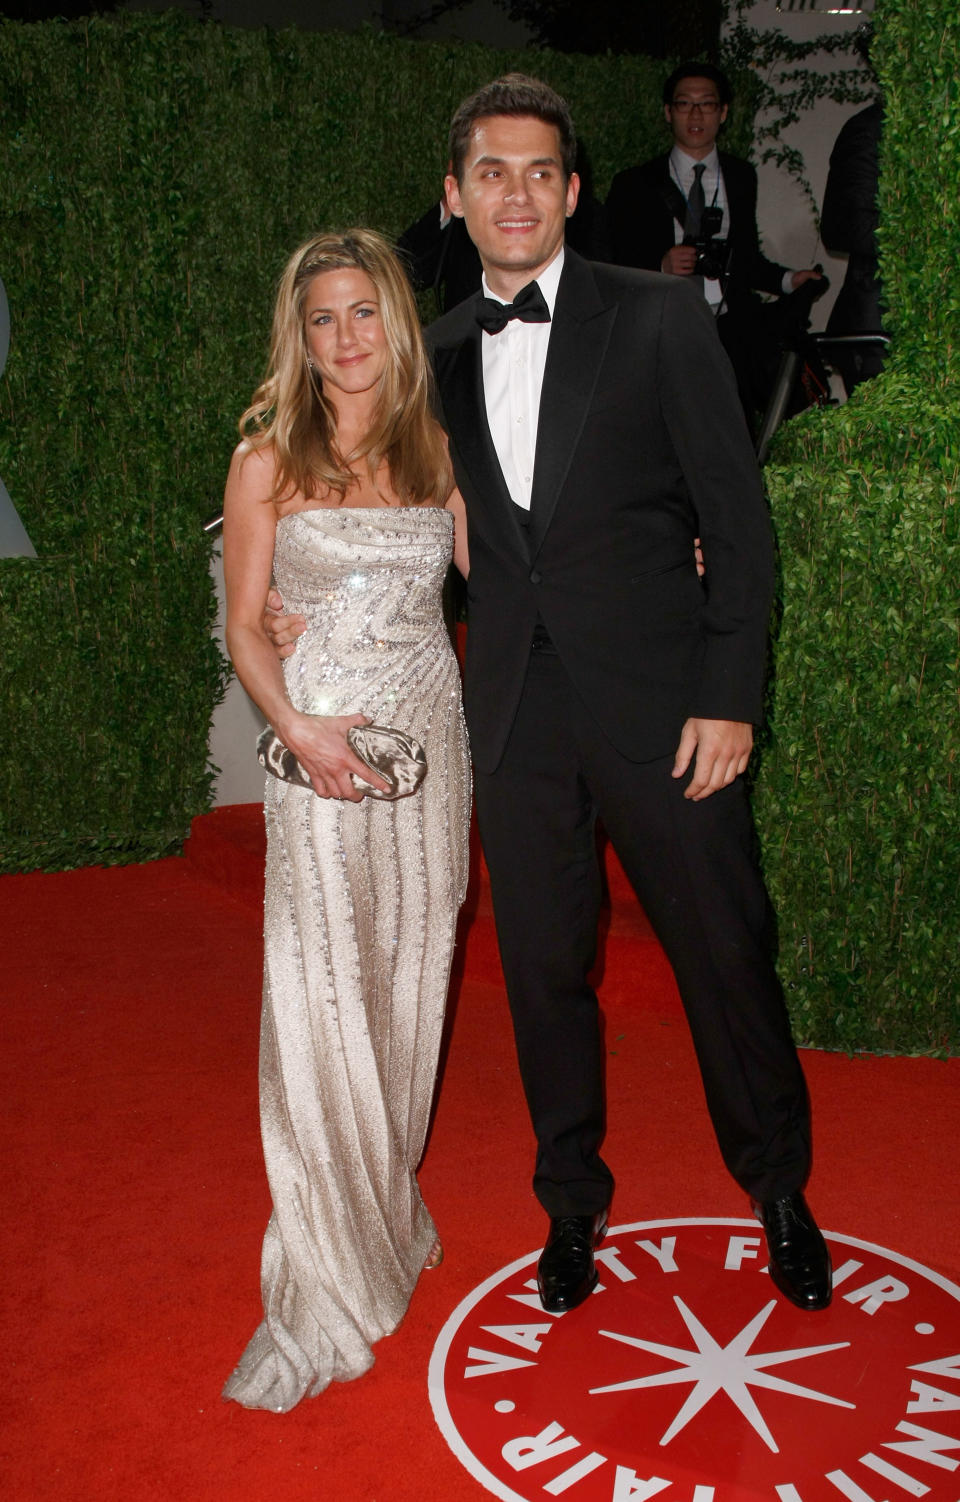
point(256, 459)
point(252, 471)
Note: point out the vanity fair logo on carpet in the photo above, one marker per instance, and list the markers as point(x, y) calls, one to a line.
point(686, 1376)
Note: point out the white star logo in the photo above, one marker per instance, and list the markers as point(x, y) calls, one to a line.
point(731, 1369)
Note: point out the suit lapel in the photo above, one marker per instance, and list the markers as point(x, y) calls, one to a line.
point(460, 379)
point(732, 185)
point(578, 341)
point(674, 200)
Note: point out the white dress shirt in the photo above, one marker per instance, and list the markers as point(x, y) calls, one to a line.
point(714, 194)
point(513, 364)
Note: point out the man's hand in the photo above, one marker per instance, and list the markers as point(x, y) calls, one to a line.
point(281, 629)
point(722, 750)
point(810, 275)
point(680, 260)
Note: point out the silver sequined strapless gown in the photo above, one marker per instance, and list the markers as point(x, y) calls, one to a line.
point(360, 910)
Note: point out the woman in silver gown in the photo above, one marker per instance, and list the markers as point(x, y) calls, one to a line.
point(341, 489)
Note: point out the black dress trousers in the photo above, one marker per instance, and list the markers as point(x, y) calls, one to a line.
point(694, 869)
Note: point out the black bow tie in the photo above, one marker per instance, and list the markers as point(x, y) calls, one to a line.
point(528, 305)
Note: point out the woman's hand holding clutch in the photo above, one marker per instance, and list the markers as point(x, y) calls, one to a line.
point(320, 745)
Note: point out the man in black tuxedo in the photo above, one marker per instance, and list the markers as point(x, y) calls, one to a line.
point(660, 213)
point(595, 433)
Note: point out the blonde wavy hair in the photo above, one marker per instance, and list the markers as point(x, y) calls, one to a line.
point(290, 411)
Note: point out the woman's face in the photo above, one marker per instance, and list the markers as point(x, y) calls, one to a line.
point(344, 331)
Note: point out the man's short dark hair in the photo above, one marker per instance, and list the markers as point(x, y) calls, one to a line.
point(518, 95)
point(698, 70)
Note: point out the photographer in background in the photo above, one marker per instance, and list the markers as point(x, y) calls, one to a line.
point(693, 212)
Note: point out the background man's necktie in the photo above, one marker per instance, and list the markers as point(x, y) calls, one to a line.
point(696, 203)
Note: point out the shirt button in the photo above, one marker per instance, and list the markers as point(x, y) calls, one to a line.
point(535, 576)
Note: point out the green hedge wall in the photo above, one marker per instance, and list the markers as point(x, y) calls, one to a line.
point(856, 797)
point(155, 175)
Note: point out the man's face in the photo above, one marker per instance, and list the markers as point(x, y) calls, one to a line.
point(513, 197)
point(695, 115)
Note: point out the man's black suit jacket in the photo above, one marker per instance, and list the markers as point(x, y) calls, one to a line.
point(640, 224)
point(641, 447)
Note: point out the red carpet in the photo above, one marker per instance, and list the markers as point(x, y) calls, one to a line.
point(135, 1198)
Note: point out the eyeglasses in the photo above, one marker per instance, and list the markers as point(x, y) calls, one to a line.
point(687, 106)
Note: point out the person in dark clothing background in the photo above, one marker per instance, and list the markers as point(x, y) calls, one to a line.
point(438, 253)
point(693, 212)
point(848, 226)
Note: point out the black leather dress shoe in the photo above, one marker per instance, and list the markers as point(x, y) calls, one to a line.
point(566, 1273)
point(799, 1260)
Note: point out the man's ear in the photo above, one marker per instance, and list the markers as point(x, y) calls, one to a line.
point(723, 114)
point(452, 189)
point(573, 192)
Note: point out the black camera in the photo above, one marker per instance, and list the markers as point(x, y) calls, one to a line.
point(713, 252)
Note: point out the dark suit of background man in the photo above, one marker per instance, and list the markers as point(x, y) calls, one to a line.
point(848, 226)
point(653, 219)
point(602, 676)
